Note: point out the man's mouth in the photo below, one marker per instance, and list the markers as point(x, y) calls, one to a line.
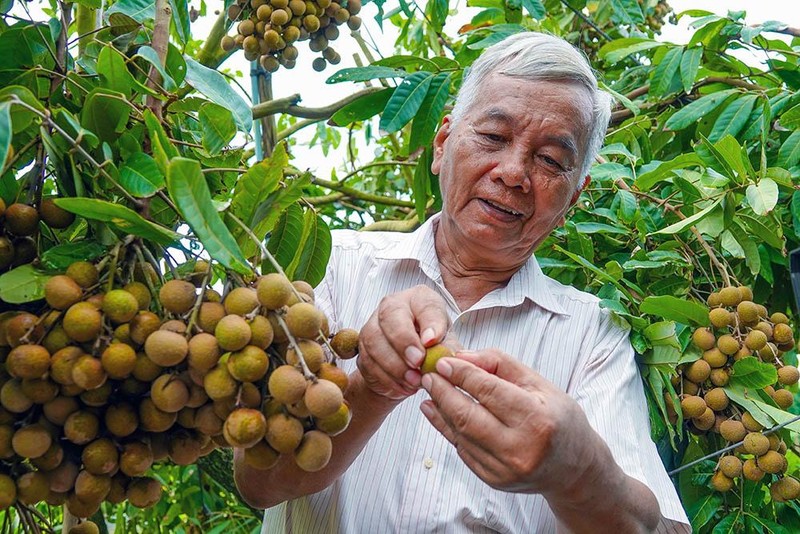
point(500, 207)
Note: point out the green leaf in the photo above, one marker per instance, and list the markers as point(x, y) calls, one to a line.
point(646, 180)
point(138, 10)
point(140, 176)
point(595, 227)
point(180, 17)
point(791, 119)
point(676, 309)
point(363, 74)
point(120, 217)
point(752, 258)
point(430, 112)
point(310, 263)
point(113, 72)
point(702, 510)
point(189, 191)
point(628, 11)
point(718, 157)
point(21, 118)
point(106, 114)
point(59, 257)
point(409, 63)
point(284, 240)
point(260, 181)
point(730, 523)
point(690, 62)
point(618, 49)
point(764, 228)
point(748, 399)
point(213, 85)
point(362, 109)
point(733, 118)
point(218, 127)
point(750, 372)
point(405, 102)
point(5, 131)
point(421, 187)
point(163, 149)
point(763, 196)
point(269, 210)
point(688, 221)
point(730, 155)
point(665, 75)
point(151, 56)
point(795, 209)
point(789, 153)
point(692, 113)
point(22, 284)
point(535, 8)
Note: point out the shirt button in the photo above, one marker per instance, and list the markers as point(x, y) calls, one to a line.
point(428, 463)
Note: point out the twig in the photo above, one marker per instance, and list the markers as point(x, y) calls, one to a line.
point(289, 105)
point(199, 301)
point(160, 43)
point(587, 20)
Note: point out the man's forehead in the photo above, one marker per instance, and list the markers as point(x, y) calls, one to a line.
point(496, 113)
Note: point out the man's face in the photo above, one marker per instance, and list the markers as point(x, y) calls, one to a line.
point(509, 168)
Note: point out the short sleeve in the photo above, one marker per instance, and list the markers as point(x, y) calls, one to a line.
point(611, 393)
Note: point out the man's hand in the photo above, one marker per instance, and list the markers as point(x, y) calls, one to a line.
point(518, 432)
point(392, 342)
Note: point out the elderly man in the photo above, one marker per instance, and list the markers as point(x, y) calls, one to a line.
point(546, 432)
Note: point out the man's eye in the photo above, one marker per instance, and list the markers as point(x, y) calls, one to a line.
point(550, 162)
point(495, 138)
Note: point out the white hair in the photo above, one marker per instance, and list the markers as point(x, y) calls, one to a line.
point(539, 56)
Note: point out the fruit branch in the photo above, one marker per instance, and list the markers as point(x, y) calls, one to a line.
point(289, 105)
point(731, 447)
point(198, 302)
point(160, 44)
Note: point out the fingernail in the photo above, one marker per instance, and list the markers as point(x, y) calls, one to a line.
point(427, 381)
point(414, 356)
point(466, 352)
point(444, 368)
point(427, 336)
point(412, 377)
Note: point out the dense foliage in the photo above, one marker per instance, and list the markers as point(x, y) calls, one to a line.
point(130, 125)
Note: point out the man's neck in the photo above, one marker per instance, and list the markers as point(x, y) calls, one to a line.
point(467, 281)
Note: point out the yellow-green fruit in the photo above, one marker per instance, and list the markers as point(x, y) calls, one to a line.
point(279, 17)
point(100, 457)
point(771, 462)
point(716, 399)
point(232, 333)
point(269, 63)
point(755, 340)
point(248, 364)
point(312, 354)
point(166, 348)
point(731, 466)
point(750, 470)
point(297, 7)
point(97, 397)
point(83, 273)
point(261, 456)
point(204, 352)
point(721, 483)
point(769, 352)
point(88, 372)
point(61, 292)
point(219, 384)
point(750, 423)
point(39, 390)
point(434, 354)
point(304, 320)
point(31, 441)
point(330, 371)
point(8, 492)
point(284, 433)
point(286, 384)
point(334, 424)
point(311, 23)
point(154, 419)
point(720, 317)
point(246, 27)
point(169, 393)
point(85, 527)
point(210, 315)
point(693, 406)
point(314, 451)
point(745, 293)
point(727, 344)
point(273, 291)
point(13, 399)
point(146, 370)
point(177, 296)
point(245, 427)
point(56, 339)
point(783, 398)
point(785, 489)
point(140, 292)
point(121, 419)
point(261, 332)
point(120, 306)
point(703, 338)
point(81, 427)
point(782, 333)
point(323, 398)
point(32, 488)
point(730, 296)
point(719, 377)
point(788, 375)
point(21, 219)
point(144, 492)
point(748, 312)
point(715, 358)
point(118, 360)
point(756, 443)
point(28, 361)
point(779, 318)
point(241, 301)
point(82, 322)
point(706, 421)
point(713, 300)
point(732, 430)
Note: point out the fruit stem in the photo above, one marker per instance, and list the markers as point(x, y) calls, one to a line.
point(142, 261)
point(198, 302)
point(293, 342)
point(112, 269)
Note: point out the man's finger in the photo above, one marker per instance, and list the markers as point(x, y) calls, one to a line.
point(497, 363)
point(412, 320)
point(430, 312)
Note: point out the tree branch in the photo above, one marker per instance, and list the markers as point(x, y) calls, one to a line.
point(289, 105)
point(160, 45)
point(361, 195)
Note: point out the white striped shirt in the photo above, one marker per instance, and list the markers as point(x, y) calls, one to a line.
point(409, 478)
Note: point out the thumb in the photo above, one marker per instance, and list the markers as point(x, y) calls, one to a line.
point(503, 366)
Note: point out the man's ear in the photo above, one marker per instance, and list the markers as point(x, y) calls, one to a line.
point(576, 195)
point(438, 144)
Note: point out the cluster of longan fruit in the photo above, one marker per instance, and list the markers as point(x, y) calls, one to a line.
point(115, 374)
point(739, 329)
point(268, 30)
point(19, 224)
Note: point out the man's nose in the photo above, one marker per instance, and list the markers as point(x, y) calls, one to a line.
point(513, 170)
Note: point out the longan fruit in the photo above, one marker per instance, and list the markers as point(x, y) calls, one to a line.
point(178, 296)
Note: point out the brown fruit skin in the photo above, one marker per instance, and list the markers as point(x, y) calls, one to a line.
point(169, 393)
point(81, 427)
point(730, 296)
point(245, 427)
point(8, 492)
point(720, 317)
point(721, 483)
point(21, 219)
point(703, 338)
point(28, 361)
point(314, 451)
point(693, 406)
point(771, 462)
point(788, 375)
point(204, 352)
point(210, 315)
point(782, 333)
point(705, 421)
point(121, 420)
point(166, 348)
point(85, 527)
point(233, 333)
point(82, 322)
point(84, 273)
point(32, 487)
point(756, 443)
point(61, 292)
point(698, 371)
point(731, 466)
point(715, 358)
point(323, 398)
point(716, 399)
point(241, 301)
point(345, 343)
point(31, 441)
point(312, 354)
point(284, 433)
point(177, 296)
point(785, 489)
point(287, 385)
point(53, 216)
point(273, 291)
point(144, 492)
point(783, 398)
point(304, 320)
point(732, 430)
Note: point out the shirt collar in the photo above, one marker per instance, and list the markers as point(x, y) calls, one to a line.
point(527, 283)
